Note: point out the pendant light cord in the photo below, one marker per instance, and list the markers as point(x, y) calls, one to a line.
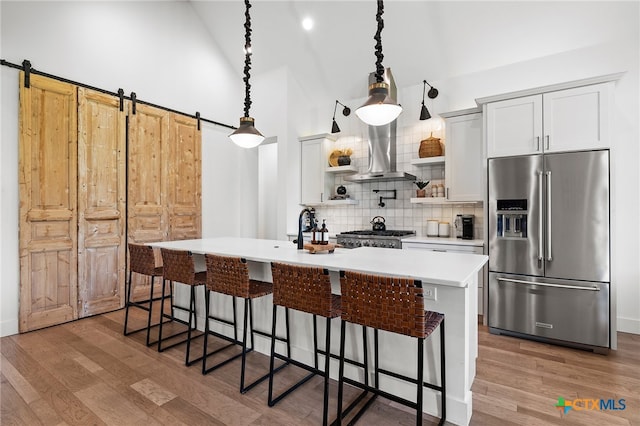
point(247, 59)
point(378, 39)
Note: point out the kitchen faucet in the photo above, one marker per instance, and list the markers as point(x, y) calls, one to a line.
point(311, 212)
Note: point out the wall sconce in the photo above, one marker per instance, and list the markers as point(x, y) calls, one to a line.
point(433, 93)
point(345, 111)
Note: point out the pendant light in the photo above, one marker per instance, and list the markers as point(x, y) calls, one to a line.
point(379, 109)
point(433, 93)
point(247, 136)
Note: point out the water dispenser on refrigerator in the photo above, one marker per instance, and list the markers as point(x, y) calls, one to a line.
point(512, 218)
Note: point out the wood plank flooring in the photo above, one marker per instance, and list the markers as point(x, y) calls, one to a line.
point(87, 373)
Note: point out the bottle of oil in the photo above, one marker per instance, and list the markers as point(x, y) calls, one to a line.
point(324, 233)
point(315, 233)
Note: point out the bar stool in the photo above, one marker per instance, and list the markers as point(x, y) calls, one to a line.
point(305, 289)
point(142, 261)
point(396, 305)
point(179, 267)
point(230, 276)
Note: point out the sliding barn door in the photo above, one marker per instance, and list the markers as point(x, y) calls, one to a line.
point(184, 179)
point(48, 211)
point(147, 171)
point(101, 203)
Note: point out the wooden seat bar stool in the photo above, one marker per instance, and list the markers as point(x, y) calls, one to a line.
point(396, 305)
point(142, 261)
point(179, 267)
point(230, 276)
point(305, 289)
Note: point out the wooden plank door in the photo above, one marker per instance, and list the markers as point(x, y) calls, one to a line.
point(101, 203)
point(147, 171)
point(184, 179)
point(48, 203)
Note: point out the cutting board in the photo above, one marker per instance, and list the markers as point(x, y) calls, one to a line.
point(317, 248)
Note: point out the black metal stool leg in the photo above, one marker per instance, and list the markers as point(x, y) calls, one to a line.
point(419, 381)
point(244, 342)
point(315, 343)
point(327, 359)
point(162, 313)
point(191, 310)
point(126, 311)
point(207, 294)
point(150, 308)
point(341, 372)
point(273, 352)
point(443, 375)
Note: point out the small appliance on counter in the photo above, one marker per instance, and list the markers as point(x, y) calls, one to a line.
point(458, 225)
point(432, 228)
point(467, 226)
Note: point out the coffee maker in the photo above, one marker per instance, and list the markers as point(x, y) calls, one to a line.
point(467, 226)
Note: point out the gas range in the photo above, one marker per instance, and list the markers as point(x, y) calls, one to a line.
point(370, 238)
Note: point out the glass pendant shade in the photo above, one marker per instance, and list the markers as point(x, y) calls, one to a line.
point(379, 109)
point(246, 136)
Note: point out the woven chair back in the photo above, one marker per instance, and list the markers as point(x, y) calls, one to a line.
point(306, 289)
point(387, 303)
point(227, 275)
point(179, 266)
point(142, 260)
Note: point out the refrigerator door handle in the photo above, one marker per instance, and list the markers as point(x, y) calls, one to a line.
point(540, 247)
point(572, 287)
point(549, 257)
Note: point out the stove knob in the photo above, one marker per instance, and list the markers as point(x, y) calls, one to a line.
point(374, 244)
point(366, 243)
point(358, 244)
point(382, 244)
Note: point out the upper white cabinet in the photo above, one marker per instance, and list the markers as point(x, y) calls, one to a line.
point(514, 126)
point(313, 160)
point(577, 118)
point(563, 120)
point(463, 158)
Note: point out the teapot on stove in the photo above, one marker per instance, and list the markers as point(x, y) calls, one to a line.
point(378, 223)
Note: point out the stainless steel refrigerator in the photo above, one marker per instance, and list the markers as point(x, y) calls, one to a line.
point(549, 248)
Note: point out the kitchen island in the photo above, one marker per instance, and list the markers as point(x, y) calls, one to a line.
point(450, 283)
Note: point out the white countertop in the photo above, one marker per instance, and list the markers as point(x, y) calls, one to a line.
point(443, 240)
point(450, 269)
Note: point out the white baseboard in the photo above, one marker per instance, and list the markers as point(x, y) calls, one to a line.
point(629, 325)
point(8, 328)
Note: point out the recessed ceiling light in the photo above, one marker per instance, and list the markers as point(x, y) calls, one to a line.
point(307, 23)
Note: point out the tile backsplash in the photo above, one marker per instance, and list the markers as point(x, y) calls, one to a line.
point(399, 213)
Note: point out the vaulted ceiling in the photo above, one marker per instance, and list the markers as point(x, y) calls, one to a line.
point(429, 40)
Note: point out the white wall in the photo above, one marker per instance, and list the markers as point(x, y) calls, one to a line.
point(158, 50)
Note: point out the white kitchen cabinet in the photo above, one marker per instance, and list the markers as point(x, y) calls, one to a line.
point(577, 119)
point(464, 158)
point(514, 127)
point(453, 248)
point(563, 120)
point(313, 161)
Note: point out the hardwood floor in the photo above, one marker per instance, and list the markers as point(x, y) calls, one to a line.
point(87, 372)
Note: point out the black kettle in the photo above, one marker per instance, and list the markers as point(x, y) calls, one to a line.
point(378, 223)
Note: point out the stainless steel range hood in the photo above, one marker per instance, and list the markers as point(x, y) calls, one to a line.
point(382, 146)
